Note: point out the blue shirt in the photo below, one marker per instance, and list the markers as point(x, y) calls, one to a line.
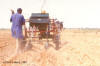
point(17, 22)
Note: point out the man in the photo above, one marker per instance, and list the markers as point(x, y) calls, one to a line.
point(17, 22)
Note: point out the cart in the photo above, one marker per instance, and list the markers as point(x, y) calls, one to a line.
point(42, 27)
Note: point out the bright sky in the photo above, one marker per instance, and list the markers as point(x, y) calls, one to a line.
point(74, 13)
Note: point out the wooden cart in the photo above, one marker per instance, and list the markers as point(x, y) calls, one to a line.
point(42, 27)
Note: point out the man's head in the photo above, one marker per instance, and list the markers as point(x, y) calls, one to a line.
point(19, 10)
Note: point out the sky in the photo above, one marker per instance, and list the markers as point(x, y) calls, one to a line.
point(73, 13)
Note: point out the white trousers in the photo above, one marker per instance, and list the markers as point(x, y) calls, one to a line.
point(19, 45)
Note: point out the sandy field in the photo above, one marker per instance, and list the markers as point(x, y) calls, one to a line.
point(79, 47)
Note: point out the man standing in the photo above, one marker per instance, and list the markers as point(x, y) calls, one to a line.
point(17, 22)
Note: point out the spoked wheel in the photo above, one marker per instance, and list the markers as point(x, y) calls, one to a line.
point(57, 41)
point(47, 37)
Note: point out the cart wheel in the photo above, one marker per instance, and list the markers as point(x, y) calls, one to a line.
point(57, 41)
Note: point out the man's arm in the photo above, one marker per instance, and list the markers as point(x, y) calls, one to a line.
point(12, 11)
point(25, 29)
point(10, 19)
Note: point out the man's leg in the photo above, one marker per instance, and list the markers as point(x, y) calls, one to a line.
point(19, 45)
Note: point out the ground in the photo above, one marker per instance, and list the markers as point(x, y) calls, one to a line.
point(79, 47)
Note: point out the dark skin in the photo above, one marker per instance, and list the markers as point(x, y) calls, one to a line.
point(19, 11)
point(12, 11)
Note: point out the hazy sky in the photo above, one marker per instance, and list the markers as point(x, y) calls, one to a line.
point(74, 13)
